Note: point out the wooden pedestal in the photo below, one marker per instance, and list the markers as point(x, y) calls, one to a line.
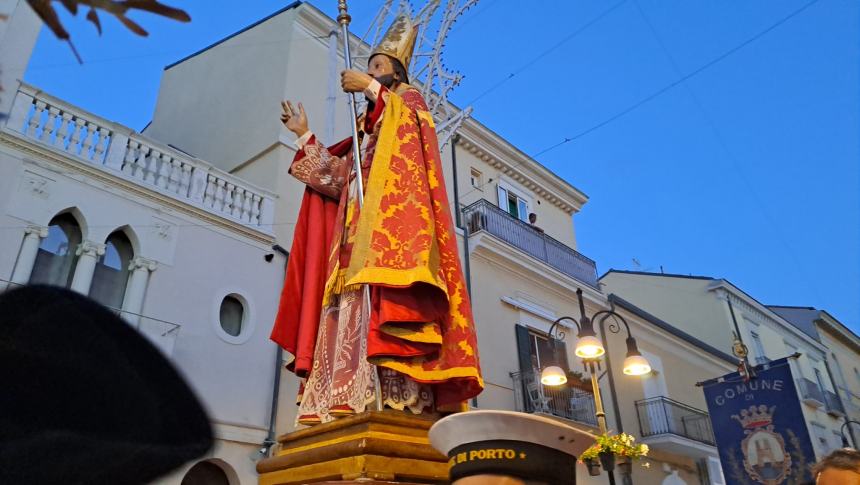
point(368, 448)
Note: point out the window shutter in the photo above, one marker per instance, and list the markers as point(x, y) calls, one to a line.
point(503, 198)
point(523, 210)
point(524, 349)
point(525, 357)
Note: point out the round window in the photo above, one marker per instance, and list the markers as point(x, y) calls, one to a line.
point(232, 315)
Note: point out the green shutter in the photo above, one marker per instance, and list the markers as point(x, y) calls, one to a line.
point(524, 349)
point(525, 357)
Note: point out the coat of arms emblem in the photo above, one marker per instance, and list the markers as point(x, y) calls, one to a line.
point(765, 456)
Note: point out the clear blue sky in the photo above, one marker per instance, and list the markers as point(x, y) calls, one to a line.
point(748, 169)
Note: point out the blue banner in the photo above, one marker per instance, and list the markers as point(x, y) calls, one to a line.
point(759, 427)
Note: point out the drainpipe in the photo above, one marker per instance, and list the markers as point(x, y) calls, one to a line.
point(276, 386)
point(467, 267)
point(457, 217)
point(456, 184)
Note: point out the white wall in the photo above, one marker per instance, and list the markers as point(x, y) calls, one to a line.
point(197, 265)
point(18, 36)
point(222, 105)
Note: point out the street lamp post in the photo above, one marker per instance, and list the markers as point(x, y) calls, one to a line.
point(590, 350)
point(847, 424)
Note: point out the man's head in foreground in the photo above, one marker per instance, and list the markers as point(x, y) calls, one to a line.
point(86, 399)
point(842, 467)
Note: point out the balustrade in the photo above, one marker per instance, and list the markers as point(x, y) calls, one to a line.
point(50, 122)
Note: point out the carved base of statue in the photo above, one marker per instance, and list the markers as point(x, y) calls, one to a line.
point(370, 447)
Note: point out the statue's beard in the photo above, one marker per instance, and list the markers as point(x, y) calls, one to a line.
point(386, 80)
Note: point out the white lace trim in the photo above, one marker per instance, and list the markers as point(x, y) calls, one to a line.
point(342, 376)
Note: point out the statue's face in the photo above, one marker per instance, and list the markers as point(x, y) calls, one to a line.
point(380, 65)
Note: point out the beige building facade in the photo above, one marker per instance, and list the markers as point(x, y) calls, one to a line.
point(842, 363)
point(714, 311)
point(843, 346)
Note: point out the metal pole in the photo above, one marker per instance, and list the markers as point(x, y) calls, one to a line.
point(343, 19)
point(737, 330)
point(598, 408)
point(456, 183)
point(847, 424)
point(279, 364)
point(467, 266)
point(615, 407)
point(598, 400)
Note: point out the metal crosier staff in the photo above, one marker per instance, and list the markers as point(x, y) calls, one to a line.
point(343, 18)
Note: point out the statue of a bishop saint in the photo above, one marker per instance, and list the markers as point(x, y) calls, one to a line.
point(416, 328)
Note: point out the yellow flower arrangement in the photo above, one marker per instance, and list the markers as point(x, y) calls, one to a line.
point(621, 445)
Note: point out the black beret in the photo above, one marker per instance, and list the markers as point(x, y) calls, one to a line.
point(85, 398)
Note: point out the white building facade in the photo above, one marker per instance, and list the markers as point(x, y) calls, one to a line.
point(174, 245)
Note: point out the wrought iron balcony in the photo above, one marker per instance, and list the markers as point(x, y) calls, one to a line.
point(663, 416)
point(484, 216)
point(833, 404)
point(810, 393)
point(567, 402)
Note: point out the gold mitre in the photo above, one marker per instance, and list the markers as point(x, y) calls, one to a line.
point(399, 41)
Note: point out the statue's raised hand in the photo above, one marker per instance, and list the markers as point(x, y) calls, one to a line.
point(295, 120)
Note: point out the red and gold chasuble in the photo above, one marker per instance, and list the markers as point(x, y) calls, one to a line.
point(418, 326)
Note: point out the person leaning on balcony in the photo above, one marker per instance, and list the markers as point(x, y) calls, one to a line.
point(841, 467)
point(533, 222)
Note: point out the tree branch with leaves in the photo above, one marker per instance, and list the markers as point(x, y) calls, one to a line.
point(119, 9)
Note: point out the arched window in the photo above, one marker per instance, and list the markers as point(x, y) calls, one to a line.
point(205, 473)
point(111, 274)
point(55, 261)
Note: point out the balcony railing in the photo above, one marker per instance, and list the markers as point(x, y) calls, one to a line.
point(833, 404)
point(563, 401)
point(484, 216)
point(661, 415)
point(161, 333)
point(89, 139)
point(810, 393)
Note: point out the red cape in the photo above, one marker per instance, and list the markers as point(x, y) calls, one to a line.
point(299, 310)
